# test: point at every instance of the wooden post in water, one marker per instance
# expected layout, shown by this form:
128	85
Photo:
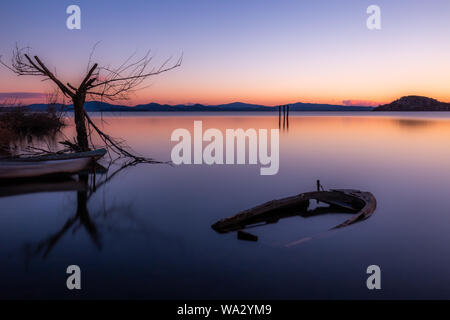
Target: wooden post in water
284	116
279	117
318	189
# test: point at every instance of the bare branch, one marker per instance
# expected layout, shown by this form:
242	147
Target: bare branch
119	83
71	87
49	74
88	76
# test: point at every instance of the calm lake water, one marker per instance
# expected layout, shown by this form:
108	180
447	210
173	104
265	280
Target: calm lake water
146	233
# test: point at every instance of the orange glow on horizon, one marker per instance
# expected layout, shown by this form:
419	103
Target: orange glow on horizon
262	99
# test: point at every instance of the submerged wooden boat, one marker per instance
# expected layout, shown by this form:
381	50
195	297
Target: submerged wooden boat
361	204
67	163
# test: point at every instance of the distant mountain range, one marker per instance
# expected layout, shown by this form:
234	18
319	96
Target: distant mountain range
406	103
94	106
414	103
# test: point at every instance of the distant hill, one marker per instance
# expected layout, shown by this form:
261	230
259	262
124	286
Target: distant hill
94	106
415	103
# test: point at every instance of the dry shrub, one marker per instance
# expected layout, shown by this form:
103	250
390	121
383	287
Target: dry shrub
21	121
18	123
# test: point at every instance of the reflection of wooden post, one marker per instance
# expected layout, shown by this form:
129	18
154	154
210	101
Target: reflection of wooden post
287	117
83	213
284	116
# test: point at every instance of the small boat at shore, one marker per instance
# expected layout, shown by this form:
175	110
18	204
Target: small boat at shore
36	166
358	203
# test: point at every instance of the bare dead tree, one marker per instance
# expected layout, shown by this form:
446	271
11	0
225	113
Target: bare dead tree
99	83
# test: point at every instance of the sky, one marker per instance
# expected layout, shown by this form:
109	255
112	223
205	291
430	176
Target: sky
256	51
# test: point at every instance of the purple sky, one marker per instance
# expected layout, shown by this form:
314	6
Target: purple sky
257	51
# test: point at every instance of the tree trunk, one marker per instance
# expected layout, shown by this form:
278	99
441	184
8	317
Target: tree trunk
80	122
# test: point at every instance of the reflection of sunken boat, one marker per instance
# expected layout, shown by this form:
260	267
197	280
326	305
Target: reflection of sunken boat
360	204
69	163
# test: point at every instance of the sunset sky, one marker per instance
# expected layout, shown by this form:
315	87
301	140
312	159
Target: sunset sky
256	51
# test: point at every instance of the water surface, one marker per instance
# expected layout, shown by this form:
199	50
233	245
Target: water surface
146	233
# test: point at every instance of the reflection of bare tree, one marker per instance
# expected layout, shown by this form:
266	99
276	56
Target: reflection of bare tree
82	216
96	185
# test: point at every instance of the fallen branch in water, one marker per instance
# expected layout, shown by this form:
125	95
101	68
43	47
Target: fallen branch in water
116	146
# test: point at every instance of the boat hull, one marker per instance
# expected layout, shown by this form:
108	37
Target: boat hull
17	170
51	164
360	204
